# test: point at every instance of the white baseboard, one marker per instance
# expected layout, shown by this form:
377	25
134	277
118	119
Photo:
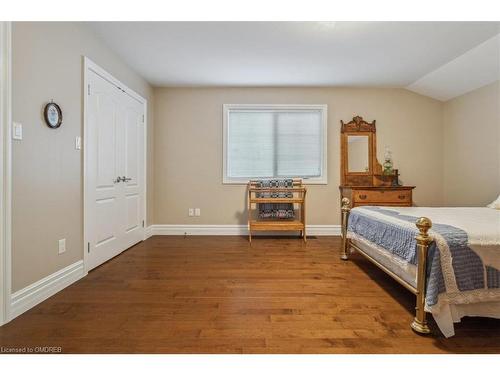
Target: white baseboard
323	230
228	230
148	232
39	291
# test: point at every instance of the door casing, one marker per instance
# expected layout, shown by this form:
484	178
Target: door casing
5	169
89	65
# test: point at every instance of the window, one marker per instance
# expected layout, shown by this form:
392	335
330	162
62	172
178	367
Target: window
274	141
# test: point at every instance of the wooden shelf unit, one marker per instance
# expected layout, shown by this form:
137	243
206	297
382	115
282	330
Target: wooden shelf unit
273	224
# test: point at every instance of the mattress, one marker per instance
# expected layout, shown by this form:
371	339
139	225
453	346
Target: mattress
406	271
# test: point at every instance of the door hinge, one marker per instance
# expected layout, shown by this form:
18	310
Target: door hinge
143	119
88	89
88	247
143	223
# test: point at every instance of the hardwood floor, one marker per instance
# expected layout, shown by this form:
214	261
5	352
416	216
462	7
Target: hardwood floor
221	295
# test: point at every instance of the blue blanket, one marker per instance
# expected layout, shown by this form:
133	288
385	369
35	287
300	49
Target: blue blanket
276	210
400	240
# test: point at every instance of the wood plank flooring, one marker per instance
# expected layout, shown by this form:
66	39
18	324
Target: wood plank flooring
212	294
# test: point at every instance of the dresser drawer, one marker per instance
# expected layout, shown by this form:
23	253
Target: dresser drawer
382	196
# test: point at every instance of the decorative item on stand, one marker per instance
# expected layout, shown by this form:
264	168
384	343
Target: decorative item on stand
395	180
388	164
390	174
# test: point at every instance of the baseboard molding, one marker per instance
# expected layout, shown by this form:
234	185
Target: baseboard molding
39	291
228	230
148	232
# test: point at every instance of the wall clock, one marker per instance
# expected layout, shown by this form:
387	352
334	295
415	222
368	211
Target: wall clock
53	115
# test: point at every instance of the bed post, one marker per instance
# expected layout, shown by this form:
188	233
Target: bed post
419	324
249	211
345	216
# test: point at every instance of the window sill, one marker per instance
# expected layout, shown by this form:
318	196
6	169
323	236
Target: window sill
245	181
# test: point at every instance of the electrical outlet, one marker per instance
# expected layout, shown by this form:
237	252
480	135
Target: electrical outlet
191	212
197	212
17	131
62	246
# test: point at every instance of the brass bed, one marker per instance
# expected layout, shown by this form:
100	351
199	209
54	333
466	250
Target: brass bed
423	224
461	278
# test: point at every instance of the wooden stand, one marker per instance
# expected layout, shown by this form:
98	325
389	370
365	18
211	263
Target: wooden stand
299	198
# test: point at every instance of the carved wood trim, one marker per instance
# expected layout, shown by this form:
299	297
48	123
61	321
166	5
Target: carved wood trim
354	127
357	124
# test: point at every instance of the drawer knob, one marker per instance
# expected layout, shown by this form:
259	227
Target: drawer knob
401	196
362	196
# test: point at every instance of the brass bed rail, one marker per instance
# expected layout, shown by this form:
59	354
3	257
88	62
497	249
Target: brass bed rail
423	224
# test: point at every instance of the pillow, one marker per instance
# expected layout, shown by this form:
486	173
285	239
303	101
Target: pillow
495	204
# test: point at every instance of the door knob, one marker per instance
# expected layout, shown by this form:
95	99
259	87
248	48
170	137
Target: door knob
126	179
117	180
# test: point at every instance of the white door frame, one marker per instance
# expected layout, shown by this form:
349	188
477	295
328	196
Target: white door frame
5	169
89	65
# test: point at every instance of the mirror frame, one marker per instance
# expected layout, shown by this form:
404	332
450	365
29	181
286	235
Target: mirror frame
358	126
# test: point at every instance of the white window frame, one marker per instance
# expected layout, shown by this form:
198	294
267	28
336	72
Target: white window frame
323	108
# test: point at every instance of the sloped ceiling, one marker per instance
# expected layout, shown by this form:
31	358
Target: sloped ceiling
438	59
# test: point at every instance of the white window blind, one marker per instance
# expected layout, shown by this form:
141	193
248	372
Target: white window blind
274	142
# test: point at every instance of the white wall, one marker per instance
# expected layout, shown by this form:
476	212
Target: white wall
47	201
471	134
188	147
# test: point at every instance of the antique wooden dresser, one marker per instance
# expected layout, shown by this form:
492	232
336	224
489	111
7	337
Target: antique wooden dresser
362	178
378	195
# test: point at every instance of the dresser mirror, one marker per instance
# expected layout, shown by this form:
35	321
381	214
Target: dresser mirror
363	179
358	150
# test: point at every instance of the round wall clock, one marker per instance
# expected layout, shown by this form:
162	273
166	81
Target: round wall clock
53	115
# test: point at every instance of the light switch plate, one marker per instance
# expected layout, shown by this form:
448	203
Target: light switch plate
197	212
191	212
62	246
17	131
78	143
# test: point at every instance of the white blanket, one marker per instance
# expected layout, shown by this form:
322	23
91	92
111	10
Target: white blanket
482	225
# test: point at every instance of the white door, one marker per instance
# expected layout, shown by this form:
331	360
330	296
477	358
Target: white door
114	170
132	185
